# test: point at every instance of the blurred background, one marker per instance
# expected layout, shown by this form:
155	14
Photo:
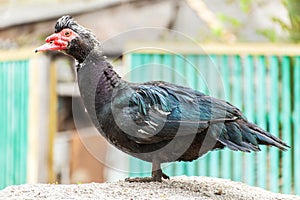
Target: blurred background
243	51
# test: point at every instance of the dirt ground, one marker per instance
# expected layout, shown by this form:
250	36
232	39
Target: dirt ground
180	187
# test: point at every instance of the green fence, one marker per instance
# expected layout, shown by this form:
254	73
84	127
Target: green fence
264	84
13	121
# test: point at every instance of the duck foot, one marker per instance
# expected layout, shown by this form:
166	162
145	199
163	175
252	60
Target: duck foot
142	179
165	176
156	177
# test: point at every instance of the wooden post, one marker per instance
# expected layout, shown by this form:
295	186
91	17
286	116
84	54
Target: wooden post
52	120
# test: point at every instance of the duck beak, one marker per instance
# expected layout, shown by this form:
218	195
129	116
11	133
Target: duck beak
53	43
48	47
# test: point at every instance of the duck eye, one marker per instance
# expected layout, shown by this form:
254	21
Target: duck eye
67	33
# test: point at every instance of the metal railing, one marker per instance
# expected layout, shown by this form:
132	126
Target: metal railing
14	90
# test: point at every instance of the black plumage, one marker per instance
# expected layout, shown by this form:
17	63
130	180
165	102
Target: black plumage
156	121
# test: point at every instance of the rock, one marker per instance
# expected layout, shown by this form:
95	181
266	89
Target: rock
180	187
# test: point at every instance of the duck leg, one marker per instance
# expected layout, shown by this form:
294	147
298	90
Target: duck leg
157	174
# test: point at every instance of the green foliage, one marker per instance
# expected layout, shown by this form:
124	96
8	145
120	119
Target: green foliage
246	5
234	24
293	7
217	32
228	19
282	24
270	34
284	3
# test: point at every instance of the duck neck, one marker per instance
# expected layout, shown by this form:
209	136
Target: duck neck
96	78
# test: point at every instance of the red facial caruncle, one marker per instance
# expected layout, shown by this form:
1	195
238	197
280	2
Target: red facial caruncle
58	41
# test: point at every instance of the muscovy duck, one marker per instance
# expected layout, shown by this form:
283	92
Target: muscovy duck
154	121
